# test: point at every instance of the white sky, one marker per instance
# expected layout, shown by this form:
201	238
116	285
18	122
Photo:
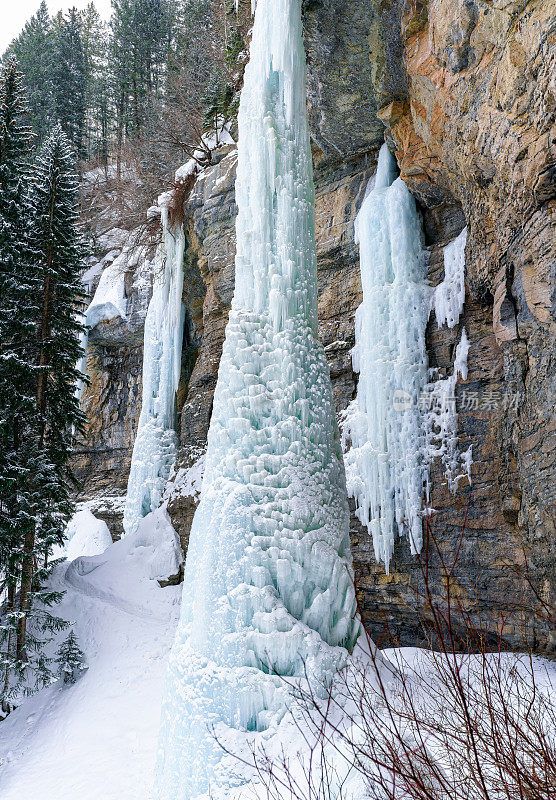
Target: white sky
15	13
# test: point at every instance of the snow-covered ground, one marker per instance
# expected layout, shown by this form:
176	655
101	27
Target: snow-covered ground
97	738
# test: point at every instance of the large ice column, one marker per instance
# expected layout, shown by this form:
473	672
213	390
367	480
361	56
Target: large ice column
156	442
268	586
386	464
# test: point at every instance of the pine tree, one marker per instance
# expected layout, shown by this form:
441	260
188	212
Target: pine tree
70	659
217	102
38	376
59	259
98	96
69	79
141	32
33	49
18	312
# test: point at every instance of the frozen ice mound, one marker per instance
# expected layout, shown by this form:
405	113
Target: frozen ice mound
85	536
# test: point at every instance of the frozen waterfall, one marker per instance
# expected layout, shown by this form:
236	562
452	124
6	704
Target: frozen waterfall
156	442
400	419
385	465
268	581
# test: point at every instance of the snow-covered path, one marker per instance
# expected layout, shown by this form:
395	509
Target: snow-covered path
97	740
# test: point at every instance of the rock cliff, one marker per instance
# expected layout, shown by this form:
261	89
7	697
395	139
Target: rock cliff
465	93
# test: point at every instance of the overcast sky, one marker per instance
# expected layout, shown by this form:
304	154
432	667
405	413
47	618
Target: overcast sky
15	13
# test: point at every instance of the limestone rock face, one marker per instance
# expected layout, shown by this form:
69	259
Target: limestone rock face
112	400
465	93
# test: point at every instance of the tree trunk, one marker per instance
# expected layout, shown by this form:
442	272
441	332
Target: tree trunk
9	647
25	591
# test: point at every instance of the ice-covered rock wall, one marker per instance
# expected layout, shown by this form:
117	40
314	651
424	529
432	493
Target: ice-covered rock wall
156	442
268	586
108	301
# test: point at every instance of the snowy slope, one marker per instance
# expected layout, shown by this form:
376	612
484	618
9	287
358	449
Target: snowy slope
97	739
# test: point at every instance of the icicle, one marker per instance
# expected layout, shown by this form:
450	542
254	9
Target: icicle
441	420
156	442
268	585
399	421
449	296
385	465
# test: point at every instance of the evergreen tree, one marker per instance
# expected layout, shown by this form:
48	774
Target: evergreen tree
59	250
37	376
98	97
18	312
69	79
141	32
217	101
33	49
70	659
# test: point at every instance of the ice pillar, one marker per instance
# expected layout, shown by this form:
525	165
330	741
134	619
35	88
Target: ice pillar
156	442
268	586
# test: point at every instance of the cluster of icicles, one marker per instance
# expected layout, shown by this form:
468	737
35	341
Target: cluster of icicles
400	419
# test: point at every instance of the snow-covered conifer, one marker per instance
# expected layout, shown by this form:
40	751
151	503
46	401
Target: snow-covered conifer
70	659
59	256
18	298
70	80
40	347
33	49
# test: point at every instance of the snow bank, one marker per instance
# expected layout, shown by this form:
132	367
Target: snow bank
86	536
97	739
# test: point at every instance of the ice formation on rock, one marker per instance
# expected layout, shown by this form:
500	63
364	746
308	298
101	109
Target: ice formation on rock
109	301
401	419
385	466
187	482
268	586
156	442
441	420
449	296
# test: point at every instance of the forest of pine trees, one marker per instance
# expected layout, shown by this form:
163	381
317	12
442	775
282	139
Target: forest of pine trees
134	96
153	75
40	294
